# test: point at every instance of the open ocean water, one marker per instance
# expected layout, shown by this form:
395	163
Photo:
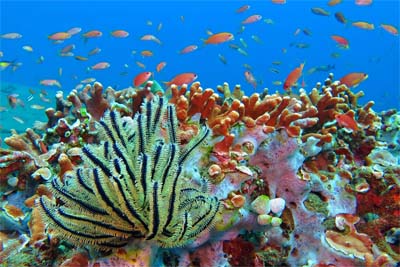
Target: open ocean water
286	36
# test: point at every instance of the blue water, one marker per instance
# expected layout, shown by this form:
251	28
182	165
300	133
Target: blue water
374	52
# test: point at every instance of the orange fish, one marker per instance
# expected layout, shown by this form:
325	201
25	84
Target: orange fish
250	78
183	78
141	78
120	33
160	66
146	53
390	29
334	2
100	66
243	9
219	38
252	19
363	25
292	78
353	79
59	36
92	34
347	120
188	49
342	42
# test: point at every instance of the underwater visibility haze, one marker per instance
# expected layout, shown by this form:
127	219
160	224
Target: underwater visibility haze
199	133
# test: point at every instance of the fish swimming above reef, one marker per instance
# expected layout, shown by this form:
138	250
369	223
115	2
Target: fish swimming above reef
353	79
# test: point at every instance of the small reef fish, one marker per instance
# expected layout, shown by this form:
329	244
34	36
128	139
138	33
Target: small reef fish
242	51
256	39
222	59
140	64
390	29
278	1
100	66
40	60
81	58
252	19
347	121
341	41
277	83
141	78
159	27
74	30
183	78
18	119
37	107
363	25
188	49
150	37
319	11
161	66
94	51
363	2
307	32
250	78
353	79
276	63
274	70
292	78
13	101
320	68
146	53
27	48
120	34
50	82
269	21
88	80
219	38
243	9
67	49
92	34
243	42
11	35
334	2
340	17
5	64
59	36
69	54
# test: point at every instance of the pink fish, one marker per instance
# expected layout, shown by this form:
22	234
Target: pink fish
100	66
120	34
250	78
50	82
252	19
188	49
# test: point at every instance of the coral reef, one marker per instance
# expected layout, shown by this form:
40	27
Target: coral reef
203	177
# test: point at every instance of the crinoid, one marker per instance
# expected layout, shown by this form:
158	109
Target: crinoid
132	185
